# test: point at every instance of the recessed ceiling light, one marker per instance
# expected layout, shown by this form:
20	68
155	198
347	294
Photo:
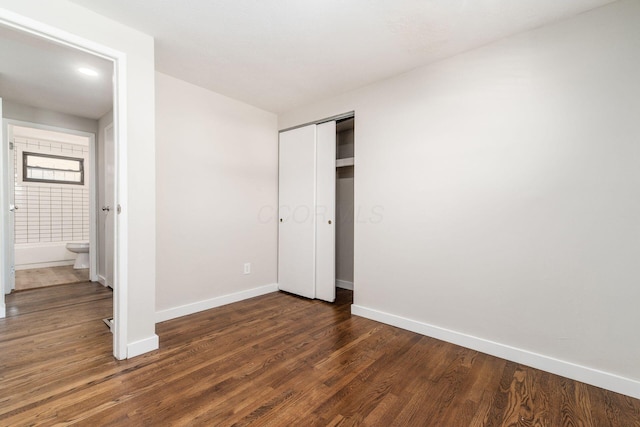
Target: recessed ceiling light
88	72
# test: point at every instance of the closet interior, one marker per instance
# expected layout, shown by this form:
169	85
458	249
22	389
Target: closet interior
345	212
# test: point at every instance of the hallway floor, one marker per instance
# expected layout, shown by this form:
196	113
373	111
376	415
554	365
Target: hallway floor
49	276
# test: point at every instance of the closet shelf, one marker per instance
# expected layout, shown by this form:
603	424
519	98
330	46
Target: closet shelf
348	161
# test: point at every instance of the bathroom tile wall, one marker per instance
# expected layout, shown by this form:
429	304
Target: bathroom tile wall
50	213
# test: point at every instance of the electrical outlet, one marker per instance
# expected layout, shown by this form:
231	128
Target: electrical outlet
247	268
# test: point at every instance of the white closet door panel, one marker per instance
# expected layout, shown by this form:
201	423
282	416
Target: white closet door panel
326	212
297	228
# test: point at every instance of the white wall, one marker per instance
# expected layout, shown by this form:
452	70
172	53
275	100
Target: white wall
138	208
508	179
216	165
26	113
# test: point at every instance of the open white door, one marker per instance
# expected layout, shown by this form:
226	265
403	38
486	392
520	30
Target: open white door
297	228
109	204
11	219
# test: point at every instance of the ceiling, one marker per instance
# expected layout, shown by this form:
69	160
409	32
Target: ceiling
274	54
279	54
44	74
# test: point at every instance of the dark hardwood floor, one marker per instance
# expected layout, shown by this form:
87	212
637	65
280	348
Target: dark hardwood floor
274	360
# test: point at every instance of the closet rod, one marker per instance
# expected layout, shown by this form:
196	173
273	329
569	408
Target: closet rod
348	115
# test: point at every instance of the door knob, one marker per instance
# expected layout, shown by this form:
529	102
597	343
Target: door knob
329	222
106	209
13	208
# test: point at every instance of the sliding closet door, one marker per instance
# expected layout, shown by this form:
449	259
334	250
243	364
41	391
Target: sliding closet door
326	212
297	228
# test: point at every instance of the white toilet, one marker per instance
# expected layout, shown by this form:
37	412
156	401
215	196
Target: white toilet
82	249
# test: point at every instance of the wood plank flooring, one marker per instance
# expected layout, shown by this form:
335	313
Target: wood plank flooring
49	276
275	360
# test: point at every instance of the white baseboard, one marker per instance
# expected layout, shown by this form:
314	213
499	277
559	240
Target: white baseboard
146	345
344	284
103	281
3	311
184	310
563	368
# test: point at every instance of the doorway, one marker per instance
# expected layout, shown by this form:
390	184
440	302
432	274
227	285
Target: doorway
17	27
52	191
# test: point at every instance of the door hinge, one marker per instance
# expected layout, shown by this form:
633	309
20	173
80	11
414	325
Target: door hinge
10	145
119	209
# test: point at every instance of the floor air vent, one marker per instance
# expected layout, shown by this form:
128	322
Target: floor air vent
109	322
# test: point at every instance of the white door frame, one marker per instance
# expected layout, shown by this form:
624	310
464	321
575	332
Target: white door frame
93	199
4	204
39	29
